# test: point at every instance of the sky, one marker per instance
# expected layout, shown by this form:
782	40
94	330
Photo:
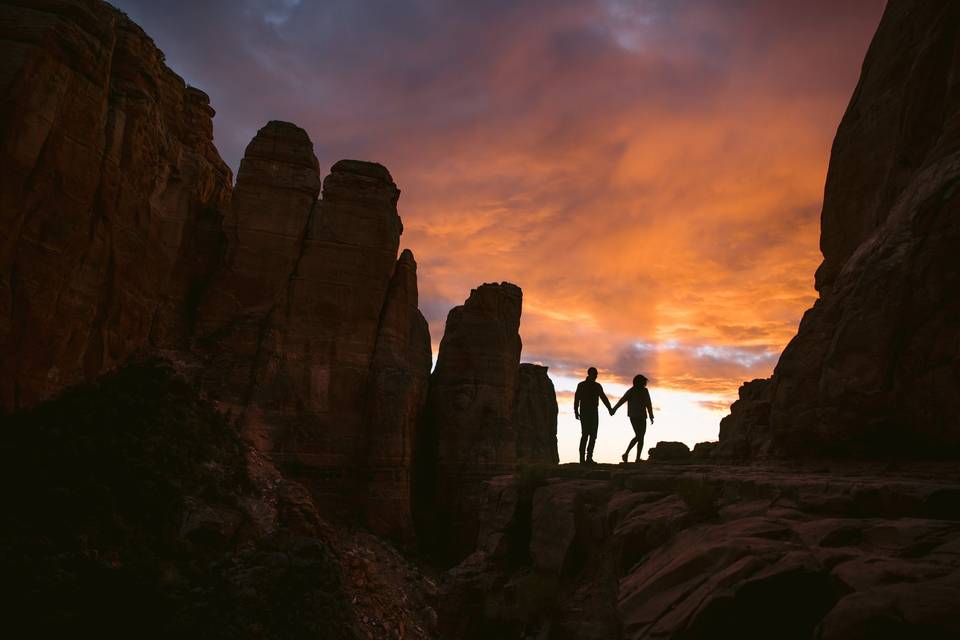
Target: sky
649	172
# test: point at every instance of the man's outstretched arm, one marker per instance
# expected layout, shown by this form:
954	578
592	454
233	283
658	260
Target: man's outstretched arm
576	404
603	397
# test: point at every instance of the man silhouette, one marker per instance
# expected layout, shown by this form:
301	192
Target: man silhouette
585	406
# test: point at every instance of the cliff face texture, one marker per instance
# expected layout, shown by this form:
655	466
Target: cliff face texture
311	291
712	551
485	412
110	192
121	232
875	366
133	509
535	415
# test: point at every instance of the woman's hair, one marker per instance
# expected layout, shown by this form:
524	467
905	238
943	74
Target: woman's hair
639	380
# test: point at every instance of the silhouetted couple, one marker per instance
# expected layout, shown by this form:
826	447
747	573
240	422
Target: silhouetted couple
586	404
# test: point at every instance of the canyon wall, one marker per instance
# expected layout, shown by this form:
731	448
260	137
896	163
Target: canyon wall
282	297
875	366
310	291
122	233
110	196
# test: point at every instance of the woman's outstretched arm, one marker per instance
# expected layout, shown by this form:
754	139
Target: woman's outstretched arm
622	400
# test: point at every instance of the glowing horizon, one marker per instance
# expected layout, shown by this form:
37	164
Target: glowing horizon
649	173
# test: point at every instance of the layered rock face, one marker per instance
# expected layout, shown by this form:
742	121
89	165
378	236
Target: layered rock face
311	333
875	366
110	188
485	411
122	233
397	392
468	433
535	415
692	551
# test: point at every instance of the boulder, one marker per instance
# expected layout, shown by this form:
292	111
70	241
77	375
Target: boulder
669	451
704	450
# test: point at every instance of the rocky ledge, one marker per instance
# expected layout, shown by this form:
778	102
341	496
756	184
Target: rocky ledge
660	550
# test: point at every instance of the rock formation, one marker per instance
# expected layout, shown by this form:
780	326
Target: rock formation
875	366
485	411
311	334
110	192
535	415
123	234
397	393
132	508
468	434
690	551
745	433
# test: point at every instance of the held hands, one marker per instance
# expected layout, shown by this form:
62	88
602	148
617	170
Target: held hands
612	411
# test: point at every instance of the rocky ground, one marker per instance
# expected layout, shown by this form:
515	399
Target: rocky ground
133	509
690	550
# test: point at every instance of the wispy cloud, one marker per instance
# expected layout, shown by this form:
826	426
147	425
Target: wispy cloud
649	172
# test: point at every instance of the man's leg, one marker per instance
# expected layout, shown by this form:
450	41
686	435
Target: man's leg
583	440
589	424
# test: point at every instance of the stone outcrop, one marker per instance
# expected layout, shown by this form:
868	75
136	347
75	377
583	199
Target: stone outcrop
745	433
666	451
468	434
694	551
132	508
122	233
875	366
398	390
535	415
311	334
485	412
110	193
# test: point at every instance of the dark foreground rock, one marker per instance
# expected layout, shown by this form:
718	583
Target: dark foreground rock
702	551
133	509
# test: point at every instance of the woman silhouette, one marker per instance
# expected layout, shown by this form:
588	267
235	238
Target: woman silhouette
638	406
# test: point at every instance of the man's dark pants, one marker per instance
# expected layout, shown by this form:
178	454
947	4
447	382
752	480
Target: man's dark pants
588	432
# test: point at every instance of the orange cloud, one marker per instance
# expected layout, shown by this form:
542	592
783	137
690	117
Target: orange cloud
650	173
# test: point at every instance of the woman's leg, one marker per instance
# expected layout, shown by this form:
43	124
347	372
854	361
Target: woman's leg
639	429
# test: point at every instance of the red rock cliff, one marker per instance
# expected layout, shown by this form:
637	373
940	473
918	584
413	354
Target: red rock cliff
121	234
485	412
110	188
875	366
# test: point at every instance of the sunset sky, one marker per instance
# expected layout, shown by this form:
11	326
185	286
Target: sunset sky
650	172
